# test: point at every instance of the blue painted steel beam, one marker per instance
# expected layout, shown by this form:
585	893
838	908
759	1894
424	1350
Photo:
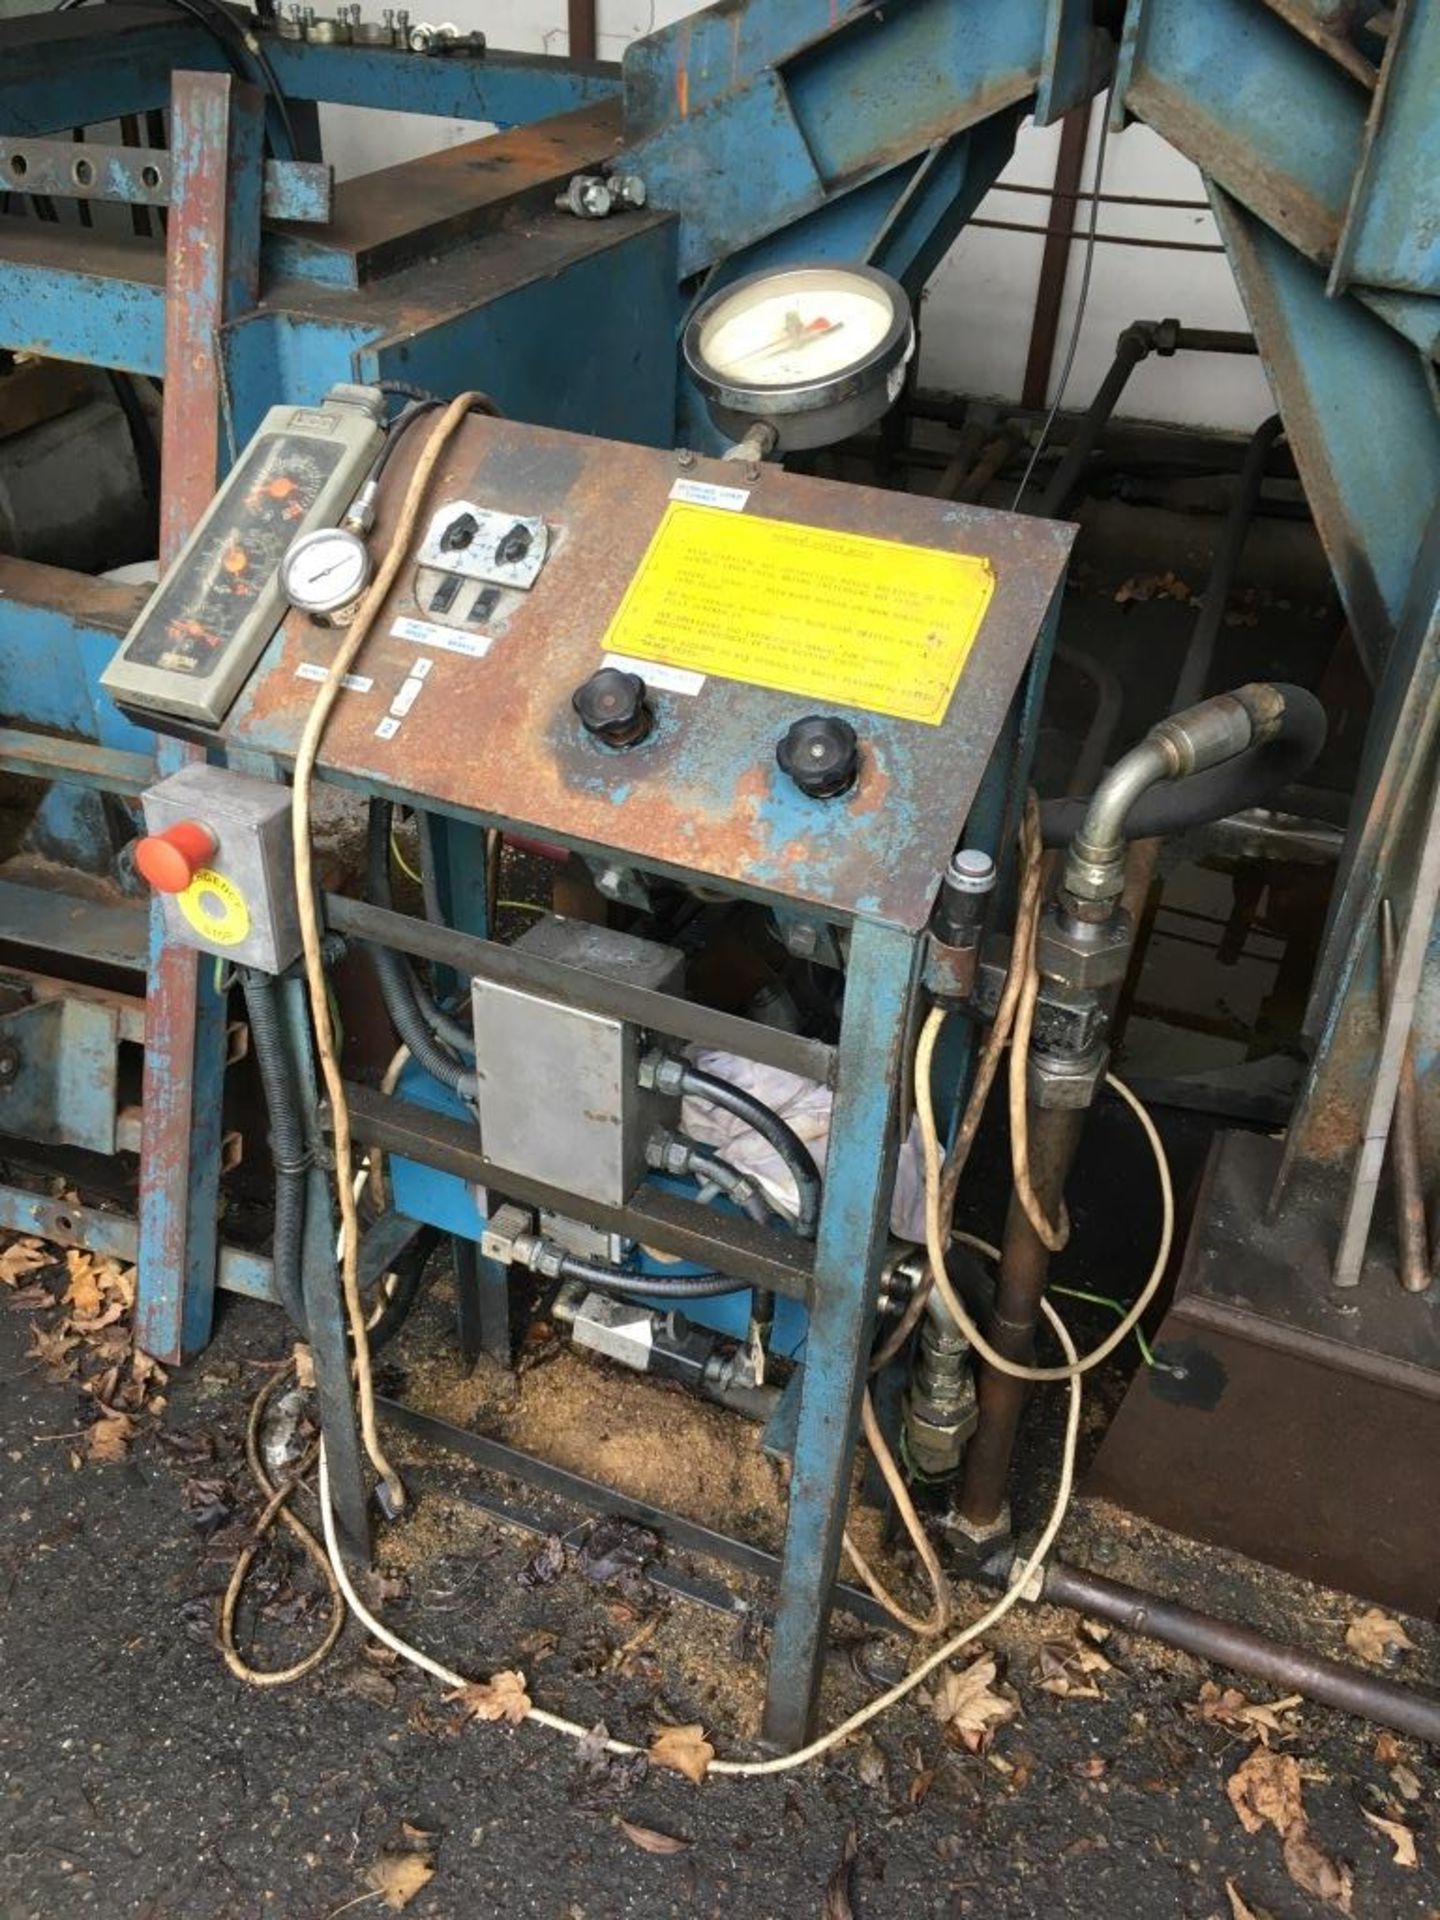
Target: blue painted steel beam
66	69
58	632
103	304
1359	416
1268	116
850	1245
741	150
1391	236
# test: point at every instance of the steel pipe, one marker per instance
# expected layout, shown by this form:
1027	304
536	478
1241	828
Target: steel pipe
1290	1669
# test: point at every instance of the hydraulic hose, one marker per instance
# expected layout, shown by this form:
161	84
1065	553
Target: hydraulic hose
408	1271
676	1286
397	990
678	1076
1248	779
423	1026
288	1148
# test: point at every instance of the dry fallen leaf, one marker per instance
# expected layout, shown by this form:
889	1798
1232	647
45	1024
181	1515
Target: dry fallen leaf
83	1291
968	1708
649	1841
838	1905
108	1441
1375	1636
1254	1720
52	1347
1312	1869
501	1697
1399	1836
684	1750
22	1257
1066	1667
1267	1789
1407	1781
304	1367
1387	1749
398	1877
1240	1908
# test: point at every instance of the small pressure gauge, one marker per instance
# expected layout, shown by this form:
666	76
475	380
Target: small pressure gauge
817	352
325	572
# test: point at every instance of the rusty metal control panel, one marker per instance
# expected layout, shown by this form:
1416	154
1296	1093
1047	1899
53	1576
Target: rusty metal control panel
704	668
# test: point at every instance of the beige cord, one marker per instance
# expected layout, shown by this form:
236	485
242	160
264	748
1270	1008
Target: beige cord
1032	853
936	1232
305	757
927	1626
1020	1581
1022	946
277	1507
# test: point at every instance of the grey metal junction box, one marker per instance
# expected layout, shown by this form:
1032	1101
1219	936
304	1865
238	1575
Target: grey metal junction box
559	1094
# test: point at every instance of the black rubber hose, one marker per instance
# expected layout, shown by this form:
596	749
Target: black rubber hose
398	992
1249	780
377	862
731	1182
768	1124
288	1148
409	1271
678	1286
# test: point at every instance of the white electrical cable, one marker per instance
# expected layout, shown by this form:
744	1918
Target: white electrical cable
1020	1582
936	1232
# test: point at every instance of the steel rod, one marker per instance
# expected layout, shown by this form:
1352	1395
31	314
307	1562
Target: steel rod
1330	1683
1405	1158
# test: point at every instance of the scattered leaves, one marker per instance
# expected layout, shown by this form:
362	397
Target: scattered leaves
1407	1781
967	1706
1267	1789
1378	1638
1253	1720
1152	586
108	1441
501	1697
684	1750
1067	1668
22	1257
650	1841
547	1563
838	1905
1240	1908
398	1877
53	1347
1312	1869
1399	1836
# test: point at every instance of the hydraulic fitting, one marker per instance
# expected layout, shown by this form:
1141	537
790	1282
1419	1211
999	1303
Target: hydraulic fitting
940	1412
1056	1080
1083	954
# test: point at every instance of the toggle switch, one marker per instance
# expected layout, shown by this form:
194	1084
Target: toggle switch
170	860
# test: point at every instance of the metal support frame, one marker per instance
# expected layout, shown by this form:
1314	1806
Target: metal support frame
213	265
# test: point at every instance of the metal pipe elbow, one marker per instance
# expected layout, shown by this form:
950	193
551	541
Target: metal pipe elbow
1197	738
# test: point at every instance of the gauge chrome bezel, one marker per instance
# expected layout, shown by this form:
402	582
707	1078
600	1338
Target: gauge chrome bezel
319	606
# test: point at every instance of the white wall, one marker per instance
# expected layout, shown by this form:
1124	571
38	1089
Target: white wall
977	314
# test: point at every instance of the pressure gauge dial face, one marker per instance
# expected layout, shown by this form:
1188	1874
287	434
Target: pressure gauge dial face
325	571
817	351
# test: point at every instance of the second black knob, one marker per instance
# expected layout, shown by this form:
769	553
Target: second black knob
821	755
613	707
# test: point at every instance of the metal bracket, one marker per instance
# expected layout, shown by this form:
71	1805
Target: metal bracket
141	177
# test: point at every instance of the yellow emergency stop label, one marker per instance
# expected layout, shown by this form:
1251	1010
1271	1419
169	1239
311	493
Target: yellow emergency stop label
215	907
839	617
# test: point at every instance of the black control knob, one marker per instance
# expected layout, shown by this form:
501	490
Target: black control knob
821	755
612	706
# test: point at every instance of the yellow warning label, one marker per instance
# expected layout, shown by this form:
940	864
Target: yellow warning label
834	616
215	907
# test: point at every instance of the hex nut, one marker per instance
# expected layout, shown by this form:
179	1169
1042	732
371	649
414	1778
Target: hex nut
1081	955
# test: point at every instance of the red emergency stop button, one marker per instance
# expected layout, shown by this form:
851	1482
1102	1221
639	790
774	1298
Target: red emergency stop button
170	860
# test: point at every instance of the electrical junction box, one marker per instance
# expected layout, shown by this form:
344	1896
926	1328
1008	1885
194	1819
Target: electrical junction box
560	1099
226	839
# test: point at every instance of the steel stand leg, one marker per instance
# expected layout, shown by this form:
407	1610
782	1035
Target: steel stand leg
482	1288
854	1229
212	271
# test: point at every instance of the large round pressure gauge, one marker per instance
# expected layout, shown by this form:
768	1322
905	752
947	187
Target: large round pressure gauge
817	352
325	572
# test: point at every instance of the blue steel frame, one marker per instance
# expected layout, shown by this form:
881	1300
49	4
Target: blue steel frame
769	128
